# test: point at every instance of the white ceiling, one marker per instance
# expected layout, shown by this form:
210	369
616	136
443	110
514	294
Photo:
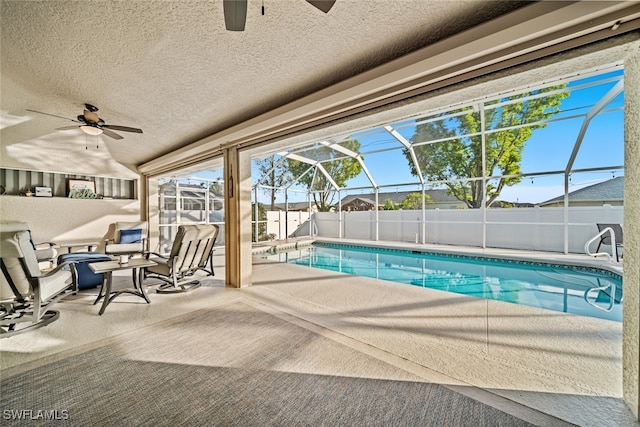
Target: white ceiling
171	68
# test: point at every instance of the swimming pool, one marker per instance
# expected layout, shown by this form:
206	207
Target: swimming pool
583	291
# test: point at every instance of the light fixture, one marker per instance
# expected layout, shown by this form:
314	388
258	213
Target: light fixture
91	130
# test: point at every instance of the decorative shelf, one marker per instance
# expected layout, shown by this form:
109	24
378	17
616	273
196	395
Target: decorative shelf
18	182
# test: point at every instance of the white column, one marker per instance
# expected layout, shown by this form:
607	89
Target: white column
237	205
631	286
150	208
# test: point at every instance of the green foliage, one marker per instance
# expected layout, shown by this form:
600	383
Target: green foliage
217	187
390	206
262	225
459	157
273	175
414	201
338	166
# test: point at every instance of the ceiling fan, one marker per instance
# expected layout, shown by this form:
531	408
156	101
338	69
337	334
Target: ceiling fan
92	124
235	12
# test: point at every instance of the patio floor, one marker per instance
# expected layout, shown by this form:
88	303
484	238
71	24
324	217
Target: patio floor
510	356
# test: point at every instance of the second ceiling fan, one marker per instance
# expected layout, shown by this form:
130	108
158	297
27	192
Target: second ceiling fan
235	12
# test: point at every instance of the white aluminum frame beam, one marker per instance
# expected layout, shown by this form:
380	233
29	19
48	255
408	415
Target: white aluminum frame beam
314	163
409	147
339	148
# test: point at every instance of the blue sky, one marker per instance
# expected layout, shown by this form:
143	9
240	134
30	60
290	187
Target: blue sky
548	149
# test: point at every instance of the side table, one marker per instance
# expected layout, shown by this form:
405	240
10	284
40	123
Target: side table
108	267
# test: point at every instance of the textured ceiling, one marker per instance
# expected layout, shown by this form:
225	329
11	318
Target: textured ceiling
171	68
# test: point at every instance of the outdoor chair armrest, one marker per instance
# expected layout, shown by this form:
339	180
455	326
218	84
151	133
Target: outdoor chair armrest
148	254
59	267
44	245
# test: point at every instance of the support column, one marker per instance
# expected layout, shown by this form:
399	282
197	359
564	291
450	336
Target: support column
151	211
237	205
631	281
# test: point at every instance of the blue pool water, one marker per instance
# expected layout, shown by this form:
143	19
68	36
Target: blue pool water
578	290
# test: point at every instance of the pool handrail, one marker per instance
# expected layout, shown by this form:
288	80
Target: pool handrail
597	236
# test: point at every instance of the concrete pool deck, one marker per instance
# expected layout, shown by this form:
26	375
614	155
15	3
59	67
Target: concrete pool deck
570	366
507	355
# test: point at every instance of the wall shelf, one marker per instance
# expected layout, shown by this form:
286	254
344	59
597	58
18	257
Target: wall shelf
19	181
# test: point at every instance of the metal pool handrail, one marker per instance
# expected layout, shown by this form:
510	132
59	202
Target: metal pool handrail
597	236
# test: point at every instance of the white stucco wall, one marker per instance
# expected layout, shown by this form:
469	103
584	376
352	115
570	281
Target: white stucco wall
631	322
63	220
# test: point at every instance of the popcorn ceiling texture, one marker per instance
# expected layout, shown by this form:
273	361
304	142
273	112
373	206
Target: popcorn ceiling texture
171	68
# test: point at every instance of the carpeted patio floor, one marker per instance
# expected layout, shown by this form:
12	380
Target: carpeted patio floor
236	364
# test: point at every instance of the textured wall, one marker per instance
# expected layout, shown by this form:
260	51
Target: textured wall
59	219
631	331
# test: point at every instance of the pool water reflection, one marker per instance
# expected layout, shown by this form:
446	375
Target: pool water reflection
577	290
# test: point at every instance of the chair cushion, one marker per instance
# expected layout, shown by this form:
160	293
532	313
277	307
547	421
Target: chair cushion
53	285
19	279
15	245
131	236
124	248
161	267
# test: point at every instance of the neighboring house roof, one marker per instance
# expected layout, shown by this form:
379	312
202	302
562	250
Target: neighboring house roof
437	196
611	190
360	203
293	206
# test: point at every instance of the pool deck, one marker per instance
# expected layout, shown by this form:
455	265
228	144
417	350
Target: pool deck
565	365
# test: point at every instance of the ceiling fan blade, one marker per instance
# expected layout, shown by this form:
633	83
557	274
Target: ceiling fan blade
235	14
121	128
67	127
323	5
52	115
110	134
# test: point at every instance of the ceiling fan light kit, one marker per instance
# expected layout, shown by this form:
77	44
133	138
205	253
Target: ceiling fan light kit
91	130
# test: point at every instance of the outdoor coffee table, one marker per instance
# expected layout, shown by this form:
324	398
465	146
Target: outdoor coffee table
108	267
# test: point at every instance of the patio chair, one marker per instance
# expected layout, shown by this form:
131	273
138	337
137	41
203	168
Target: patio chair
26	293
45	252
605	239
192	249
124	238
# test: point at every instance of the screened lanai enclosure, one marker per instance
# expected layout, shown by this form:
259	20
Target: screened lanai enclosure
530	168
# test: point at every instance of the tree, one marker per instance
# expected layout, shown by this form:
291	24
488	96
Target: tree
414	201
262	225
341	169
274	175
217	186
390	206
460	157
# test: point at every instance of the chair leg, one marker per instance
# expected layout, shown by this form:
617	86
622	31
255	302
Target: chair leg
9	327
169	288
175	286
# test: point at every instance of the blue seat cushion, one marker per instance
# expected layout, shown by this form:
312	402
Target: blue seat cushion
133	235
86	278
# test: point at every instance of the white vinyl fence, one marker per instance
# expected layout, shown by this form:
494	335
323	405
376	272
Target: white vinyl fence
542	229
281	224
